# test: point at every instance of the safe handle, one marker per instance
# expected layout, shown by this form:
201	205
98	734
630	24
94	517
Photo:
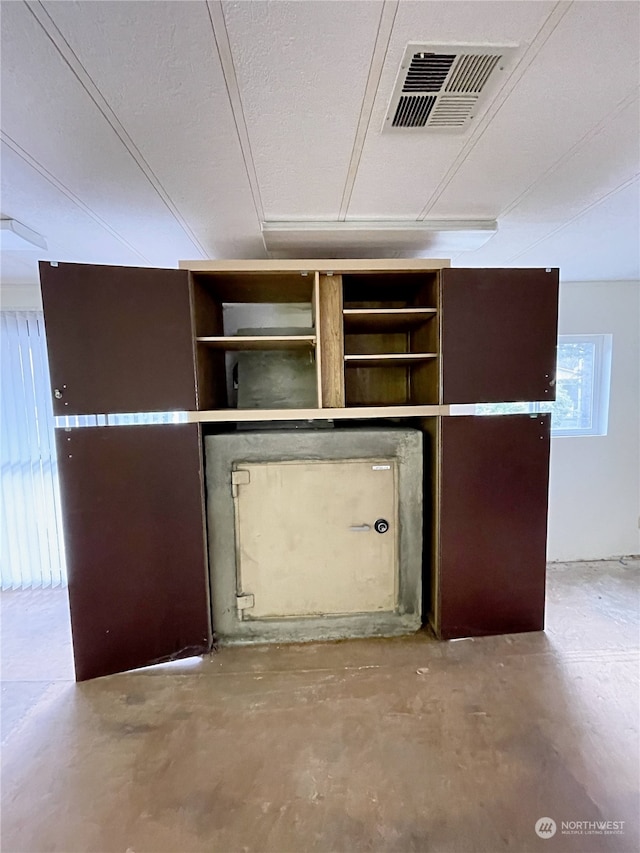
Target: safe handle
360	528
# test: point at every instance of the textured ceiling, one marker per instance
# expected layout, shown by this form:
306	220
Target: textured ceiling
147	132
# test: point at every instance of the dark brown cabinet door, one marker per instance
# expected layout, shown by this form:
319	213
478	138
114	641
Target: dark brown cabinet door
119	339
499	335
132	499
493	525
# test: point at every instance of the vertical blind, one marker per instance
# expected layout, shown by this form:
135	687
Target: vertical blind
31	548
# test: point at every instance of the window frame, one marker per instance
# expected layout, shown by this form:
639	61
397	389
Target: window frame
603	344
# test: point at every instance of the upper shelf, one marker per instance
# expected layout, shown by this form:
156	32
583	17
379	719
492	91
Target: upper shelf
258	342
385	319
388	359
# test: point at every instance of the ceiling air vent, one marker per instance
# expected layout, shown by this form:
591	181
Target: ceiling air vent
443	87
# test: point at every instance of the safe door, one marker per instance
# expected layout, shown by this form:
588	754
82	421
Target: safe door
316	538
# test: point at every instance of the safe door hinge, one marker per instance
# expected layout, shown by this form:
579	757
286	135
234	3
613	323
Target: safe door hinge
244	602
238	478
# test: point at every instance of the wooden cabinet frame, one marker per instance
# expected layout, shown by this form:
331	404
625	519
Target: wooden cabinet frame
392	339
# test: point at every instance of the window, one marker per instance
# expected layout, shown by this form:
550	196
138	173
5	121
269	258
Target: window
583	373
30	518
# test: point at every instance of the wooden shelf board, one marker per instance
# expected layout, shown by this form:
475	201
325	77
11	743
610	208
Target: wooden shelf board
310	265
243	415
259	342
389	319
392	359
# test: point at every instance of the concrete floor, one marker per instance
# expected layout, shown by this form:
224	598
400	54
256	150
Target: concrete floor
378	745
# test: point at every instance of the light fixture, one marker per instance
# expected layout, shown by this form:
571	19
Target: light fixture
14	236
377	238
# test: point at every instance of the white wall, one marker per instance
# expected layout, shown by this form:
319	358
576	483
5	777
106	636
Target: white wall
20	297
595	480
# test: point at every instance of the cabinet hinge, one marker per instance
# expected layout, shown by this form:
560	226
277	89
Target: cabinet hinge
244	602
238	478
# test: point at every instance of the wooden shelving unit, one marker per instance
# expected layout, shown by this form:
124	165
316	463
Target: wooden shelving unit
262	297
374	334
391	339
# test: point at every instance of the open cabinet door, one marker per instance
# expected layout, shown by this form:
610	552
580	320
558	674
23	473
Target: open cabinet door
499	331
491	549
132	500
119	339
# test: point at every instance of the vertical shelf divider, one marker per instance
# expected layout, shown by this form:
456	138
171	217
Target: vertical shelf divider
330	335
315	312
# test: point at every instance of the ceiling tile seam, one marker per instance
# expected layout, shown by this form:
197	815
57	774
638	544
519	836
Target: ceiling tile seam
545	32
38	167
264	243
568	155
225	55
58	40
623	186
378	59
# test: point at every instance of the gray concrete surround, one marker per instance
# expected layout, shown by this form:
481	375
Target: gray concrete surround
222	452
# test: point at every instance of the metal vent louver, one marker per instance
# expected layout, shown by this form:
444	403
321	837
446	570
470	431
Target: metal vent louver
413	110
453	110
427	72
443	87
471	72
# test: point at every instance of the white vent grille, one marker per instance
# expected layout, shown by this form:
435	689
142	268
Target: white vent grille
444	87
